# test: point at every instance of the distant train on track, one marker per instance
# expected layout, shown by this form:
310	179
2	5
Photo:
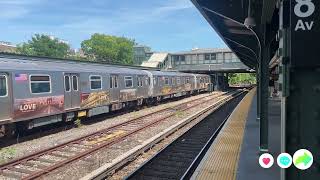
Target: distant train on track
39	91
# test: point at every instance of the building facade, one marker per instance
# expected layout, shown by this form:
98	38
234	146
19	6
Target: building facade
157	60
198	60
215	62
141	54
7	47
203	57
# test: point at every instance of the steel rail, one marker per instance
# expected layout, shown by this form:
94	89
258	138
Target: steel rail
201	153
40	153
60	163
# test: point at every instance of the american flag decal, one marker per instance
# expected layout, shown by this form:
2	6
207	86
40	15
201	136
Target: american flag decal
21	77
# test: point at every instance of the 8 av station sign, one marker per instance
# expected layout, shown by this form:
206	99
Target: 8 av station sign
309	9
305	32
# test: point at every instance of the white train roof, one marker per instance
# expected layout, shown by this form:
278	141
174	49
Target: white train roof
46	64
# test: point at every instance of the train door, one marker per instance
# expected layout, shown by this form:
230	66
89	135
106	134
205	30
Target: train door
72	91
5	96
141	86
151	82
195	83
114	88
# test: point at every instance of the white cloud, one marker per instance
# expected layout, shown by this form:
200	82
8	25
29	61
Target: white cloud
19	2
126	18
93	25
158	13
13	12
175	5
11	9
81	23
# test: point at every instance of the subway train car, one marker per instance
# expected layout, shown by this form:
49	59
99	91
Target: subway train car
37	92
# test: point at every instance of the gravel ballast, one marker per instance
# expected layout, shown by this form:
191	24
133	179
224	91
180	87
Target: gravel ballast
22	149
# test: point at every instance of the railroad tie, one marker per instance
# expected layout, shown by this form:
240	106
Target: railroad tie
35	164
56	154
21	170
11	174
41	159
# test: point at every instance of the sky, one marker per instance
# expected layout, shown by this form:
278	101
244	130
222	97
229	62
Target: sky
163	25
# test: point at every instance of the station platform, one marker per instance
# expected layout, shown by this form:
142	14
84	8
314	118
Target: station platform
235	152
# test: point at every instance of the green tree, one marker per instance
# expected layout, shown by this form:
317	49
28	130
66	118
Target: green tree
44	45
110	49
242	78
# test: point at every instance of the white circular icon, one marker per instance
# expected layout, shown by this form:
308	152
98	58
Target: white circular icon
302	159
266	160
284	160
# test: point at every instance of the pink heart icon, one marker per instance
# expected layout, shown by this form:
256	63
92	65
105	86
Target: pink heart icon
266	161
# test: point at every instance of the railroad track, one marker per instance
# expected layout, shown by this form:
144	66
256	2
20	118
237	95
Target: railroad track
26	135
179	159
42	162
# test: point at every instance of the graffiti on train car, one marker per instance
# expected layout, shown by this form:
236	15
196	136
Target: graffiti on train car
128	94
94	99
166	90
39	106
187	87
179	88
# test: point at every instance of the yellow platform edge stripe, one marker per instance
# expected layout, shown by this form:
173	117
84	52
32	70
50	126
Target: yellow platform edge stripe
221	161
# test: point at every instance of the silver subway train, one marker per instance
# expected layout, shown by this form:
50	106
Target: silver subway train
39	91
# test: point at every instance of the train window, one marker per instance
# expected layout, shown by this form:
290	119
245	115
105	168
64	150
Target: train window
75	83
148	81
128	81
159	80
207	56
187	80
111	81
115	81
178	80
166	81
139	82
182	80
3	86
154	81
213	56
40	84
173	81
67	83
95	82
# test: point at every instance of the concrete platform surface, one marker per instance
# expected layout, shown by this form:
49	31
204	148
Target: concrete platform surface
235	153
248	166
220	162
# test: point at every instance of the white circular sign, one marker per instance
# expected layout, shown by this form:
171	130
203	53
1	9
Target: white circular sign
266	160
308	4
302	159
284	160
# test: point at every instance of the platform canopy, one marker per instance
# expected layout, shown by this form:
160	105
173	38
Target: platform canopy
227	17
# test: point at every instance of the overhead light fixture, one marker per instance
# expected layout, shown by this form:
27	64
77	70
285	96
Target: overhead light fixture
250	22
